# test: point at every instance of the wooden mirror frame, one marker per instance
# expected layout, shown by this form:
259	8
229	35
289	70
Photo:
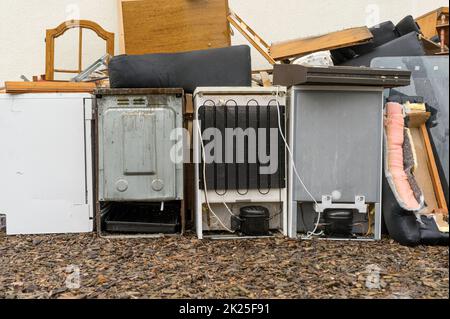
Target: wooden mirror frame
52	34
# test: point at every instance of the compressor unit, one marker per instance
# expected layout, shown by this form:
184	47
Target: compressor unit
140	180
240	157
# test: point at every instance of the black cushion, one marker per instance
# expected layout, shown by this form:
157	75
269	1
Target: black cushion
430	234
188	70
407	45
407	25
382	33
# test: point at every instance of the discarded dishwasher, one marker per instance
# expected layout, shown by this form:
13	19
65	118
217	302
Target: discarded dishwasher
240	175
140	179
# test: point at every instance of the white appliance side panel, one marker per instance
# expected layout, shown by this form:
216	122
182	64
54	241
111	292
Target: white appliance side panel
45	186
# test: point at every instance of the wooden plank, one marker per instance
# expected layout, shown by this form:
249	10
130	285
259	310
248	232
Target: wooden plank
189	104
80	51
417	119
331	41
430	47
252	37
66	71
422	173
50	55
161	26
434	172
265	79
442	224
49	87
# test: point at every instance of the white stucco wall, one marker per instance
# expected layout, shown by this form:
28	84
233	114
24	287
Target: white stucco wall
23	24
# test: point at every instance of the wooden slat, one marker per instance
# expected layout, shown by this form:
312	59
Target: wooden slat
334	40
49	87
442	224
161	26
265	79
434	172
256	41
430	47
80	51
417	119
66	71
422	173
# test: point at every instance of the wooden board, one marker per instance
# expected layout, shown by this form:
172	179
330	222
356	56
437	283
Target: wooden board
331	41
430	47
416	119
49	87
434	172
422	174
427	174
161	26
429	21
252	37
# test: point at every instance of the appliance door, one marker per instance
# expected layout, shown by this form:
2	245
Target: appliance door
338	143
137	154
46	163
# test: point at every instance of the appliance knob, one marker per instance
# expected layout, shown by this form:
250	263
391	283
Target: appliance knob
122	185
157	185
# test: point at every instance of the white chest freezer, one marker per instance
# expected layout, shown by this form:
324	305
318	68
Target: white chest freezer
46	163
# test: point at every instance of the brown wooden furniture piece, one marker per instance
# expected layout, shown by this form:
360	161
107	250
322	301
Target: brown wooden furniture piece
280	52
161	26
428	22
436	23
443	30
52	34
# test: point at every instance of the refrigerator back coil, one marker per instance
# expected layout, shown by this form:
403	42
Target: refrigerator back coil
223	175
241	161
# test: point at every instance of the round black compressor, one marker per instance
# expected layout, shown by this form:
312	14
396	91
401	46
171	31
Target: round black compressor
252	221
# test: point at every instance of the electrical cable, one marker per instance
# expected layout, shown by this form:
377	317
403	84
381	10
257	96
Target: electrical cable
309	235
204	178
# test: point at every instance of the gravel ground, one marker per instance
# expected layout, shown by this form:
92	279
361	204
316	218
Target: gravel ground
50	266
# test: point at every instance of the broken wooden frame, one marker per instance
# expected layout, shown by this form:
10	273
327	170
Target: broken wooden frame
52	34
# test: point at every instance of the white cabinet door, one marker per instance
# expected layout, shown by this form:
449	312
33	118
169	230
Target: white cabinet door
46	163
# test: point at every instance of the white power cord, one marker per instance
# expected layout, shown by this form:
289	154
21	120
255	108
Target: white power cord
313	233
204	179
